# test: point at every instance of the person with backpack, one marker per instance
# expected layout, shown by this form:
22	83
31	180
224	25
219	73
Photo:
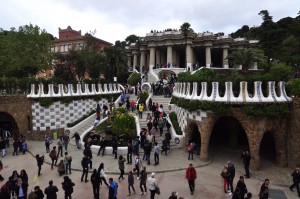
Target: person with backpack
53	156
191	176
67	186
95	180
231	175
68	162
113	189
138	165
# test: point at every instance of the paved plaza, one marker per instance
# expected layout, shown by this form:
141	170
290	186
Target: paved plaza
170	174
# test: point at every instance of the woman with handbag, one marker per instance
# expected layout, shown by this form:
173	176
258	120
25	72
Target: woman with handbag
153	186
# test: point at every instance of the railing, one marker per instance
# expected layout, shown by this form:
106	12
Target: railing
190	91
61	90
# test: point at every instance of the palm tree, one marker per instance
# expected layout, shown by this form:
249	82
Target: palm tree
185	30
246	57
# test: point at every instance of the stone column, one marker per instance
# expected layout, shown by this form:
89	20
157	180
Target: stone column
158	60
188	52
169	55
142	61
129	62
207	56
135	60
225	54
152	59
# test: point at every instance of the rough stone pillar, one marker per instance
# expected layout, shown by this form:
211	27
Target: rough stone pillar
142	61
225	54
254	140
207	56
169	55
188	52
152	59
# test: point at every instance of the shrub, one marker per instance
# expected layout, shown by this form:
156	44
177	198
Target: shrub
134	78
173	118
46	102
293	87
143	96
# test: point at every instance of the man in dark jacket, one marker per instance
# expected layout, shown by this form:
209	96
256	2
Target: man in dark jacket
85	168
67	186
242	187
296	180
40	162
129	152
51	190
246	161
102	146
231	175
115	146
87	152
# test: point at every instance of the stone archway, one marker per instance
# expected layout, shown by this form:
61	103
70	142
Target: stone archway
267	150
8	123
193	135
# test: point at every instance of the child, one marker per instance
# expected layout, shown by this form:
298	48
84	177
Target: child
224	175
130	183
24	147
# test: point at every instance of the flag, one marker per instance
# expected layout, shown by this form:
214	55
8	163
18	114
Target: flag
35	179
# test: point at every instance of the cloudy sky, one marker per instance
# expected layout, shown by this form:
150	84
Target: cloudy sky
115	20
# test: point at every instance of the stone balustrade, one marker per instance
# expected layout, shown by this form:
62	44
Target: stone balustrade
190	91
68	90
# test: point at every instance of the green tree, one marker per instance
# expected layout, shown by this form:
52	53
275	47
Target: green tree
185	30
25	51
246	57
131	39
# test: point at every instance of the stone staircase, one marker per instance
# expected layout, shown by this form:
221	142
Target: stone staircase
143	123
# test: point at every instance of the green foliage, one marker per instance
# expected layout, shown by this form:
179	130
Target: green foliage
46	102
143	96
267	110
134	78
81	119
173	118
281	72
66	100
24	51
123	123
293	87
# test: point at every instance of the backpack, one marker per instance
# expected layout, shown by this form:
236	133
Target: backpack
69	159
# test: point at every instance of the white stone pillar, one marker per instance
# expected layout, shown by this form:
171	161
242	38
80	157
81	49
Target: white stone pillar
207	56
152	58
255	66
169	55
129	62
225	60
188	52
142	61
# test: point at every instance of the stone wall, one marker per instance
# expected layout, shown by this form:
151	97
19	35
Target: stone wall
19	107
293	138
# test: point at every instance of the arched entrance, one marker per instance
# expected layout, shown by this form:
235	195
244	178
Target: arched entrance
267	150
228	133
8	123
195	137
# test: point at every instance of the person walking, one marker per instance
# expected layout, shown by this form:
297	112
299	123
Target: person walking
153	133
85	168
246	161
102	146
121	163
115	147
47	142
61	168
95	180
191	176
68	162
156	153
129	153
296	180
66	140
67	186
87	152
40	162
190	150
51	191
161	125
113	189
60	147
224	175
152	185
164	146
264	190
138	165
143	180
102	174
77	140
130	183
53	156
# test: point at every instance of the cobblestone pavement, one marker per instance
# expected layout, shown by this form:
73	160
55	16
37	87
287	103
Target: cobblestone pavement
170	174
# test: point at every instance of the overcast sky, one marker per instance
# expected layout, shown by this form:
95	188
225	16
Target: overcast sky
115	20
